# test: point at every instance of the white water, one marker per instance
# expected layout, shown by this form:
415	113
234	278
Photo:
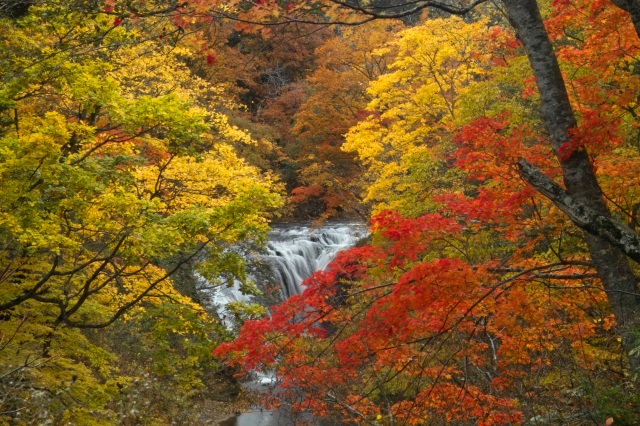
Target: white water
294	251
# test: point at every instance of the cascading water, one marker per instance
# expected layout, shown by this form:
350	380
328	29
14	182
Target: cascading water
297	251
293	252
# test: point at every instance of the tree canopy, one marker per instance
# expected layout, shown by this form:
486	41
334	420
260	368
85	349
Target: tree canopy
491	146
476	300
118	167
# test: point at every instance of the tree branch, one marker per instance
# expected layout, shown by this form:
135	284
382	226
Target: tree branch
388	11
582	215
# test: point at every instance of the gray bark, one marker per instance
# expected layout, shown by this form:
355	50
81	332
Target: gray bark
582	215
611	263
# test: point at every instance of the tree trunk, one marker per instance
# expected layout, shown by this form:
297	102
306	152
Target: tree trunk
581	214
612	265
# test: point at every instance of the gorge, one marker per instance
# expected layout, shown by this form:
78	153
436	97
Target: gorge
294	252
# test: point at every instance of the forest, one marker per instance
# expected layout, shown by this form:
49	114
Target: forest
492	147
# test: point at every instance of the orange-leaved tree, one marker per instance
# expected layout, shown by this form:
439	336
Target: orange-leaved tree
482	304
337	99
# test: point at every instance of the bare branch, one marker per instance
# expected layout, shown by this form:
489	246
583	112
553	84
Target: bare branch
583	216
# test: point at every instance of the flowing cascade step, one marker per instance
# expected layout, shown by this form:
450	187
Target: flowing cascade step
294	252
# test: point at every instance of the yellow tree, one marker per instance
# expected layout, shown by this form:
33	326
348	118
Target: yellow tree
113	176
404	142
337	99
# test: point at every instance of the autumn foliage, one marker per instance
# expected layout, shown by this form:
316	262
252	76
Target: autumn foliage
119	167
141	141
474	300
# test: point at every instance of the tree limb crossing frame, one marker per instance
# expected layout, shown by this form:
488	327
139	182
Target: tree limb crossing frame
583	216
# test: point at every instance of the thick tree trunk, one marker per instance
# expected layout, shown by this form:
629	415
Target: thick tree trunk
581	214
611	263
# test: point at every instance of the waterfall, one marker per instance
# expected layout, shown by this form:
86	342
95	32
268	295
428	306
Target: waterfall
294	251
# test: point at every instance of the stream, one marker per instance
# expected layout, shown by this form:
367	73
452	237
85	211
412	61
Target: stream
294	251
